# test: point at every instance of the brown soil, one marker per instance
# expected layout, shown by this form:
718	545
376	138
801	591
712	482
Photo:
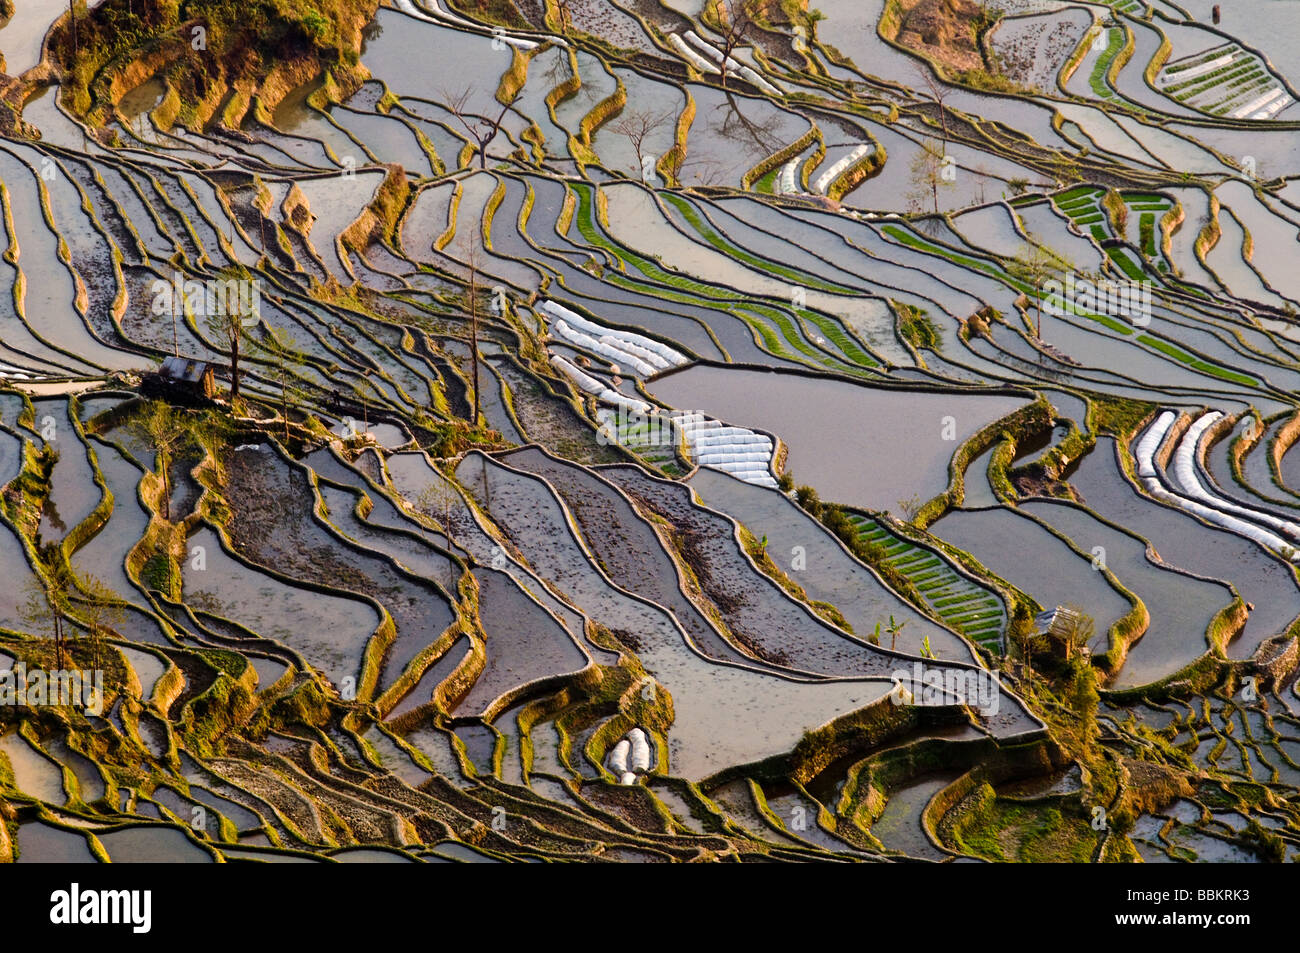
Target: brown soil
943	30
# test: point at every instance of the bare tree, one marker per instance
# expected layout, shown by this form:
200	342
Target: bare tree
560	70
736	23
566	16
285	351
100	611
473	261
440	499
229	313
929	169
46	604
731	123
164	430
52	603
1035	265
473	329
639	125
361	387
705	170
482	129
938	92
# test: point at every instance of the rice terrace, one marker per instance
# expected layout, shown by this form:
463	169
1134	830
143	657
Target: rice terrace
839	431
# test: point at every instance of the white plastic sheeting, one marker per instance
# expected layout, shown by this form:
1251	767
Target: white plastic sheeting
1146	448
835	171
1210	515
592	386
636	745
636	350
728	455
748	441
672	357
736	451
442	16
1273	108
618	757
1192	72
635	347
616	354
699	62
788	186
1145	451
640	750
734	66
1190	482
1257	104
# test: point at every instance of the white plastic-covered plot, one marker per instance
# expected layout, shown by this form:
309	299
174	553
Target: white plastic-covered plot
640	750
1256	107
835	171
787	177
627	779
735	463
695	59
734	66
1149	444
1274	107
721	433
715	429
669	356
743	443
759	477
747	462
691	424
747	439
653	352
729	442
735	455
647	357
746	472
744	460
584	380
442	16
1189	480
716	457
592	386
1226	521
603	347
1145	451
736	451
618	757
732	453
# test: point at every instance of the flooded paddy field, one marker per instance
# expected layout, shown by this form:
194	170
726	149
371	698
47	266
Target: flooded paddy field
859	432
819	418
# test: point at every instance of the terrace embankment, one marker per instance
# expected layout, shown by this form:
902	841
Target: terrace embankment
226	52
941	30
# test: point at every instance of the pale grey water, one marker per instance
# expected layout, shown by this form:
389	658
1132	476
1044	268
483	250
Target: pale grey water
856	444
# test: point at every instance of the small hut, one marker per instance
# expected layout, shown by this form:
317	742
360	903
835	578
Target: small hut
1064	627
1058	622
181	380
